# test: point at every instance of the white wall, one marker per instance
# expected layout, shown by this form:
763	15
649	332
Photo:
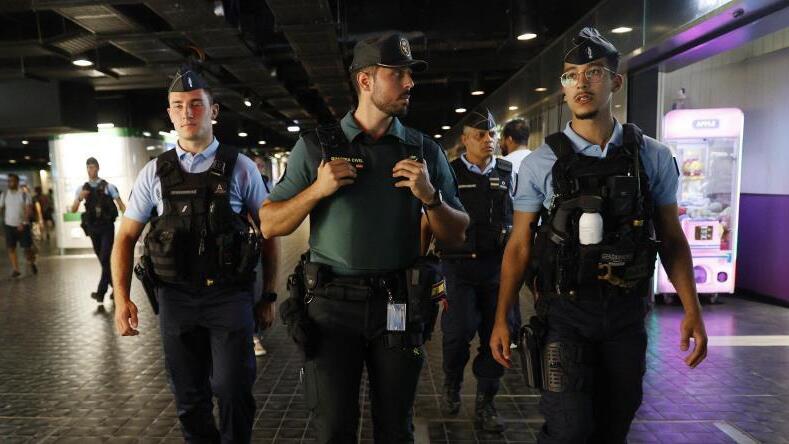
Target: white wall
754	78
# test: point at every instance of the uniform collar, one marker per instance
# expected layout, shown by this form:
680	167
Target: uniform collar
208	152
352	130
580	144
475	169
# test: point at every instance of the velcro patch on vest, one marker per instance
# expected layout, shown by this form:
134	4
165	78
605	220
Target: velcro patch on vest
614	258
183	192
497	184
467	185
357	162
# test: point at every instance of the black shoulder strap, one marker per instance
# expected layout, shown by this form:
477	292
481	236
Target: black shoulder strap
503	165
560	144
224	162
168	170
102	188
331	139
632	137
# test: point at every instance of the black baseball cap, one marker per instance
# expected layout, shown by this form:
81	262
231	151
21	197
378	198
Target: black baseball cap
590	45
187	78
390	50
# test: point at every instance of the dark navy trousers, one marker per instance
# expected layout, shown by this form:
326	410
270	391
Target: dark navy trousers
207	338
102	238
472	293
599	344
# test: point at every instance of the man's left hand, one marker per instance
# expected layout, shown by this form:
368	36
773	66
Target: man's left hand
264	313
416	178
692	326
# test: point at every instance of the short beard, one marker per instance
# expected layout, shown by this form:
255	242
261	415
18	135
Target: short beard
392	108
588	116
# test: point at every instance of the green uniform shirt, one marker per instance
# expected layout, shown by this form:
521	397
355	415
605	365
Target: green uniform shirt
371	225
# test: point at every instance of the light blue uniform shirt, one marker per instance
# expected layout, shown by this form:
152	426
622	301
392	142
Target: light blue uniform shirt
488	168
534	177
112	190
246	185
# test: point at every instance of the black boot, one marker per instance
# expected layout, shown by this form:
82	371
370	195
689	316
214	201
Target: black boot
485	414
450	403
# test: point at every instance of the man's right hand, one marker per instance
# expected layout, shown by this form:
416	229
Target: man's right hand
333	175
83	194
125	317
500	344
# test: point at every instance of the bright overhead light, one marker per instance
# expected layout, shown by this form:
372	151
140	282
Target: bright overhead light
25	142
541	89
173	132
105	125
294	129
512	108
460	110
621	30
261	142
617	106
150	147
527	36
49	163
478	92
27	157
12	161
82	63
437	136
445	127
213	122
146	133
164	133
247	101
242	134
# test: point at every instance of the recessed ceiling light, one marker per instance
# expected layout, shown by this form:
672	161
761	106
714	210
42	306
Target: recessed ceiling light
617	106
445	127
512	108
105	125
82	63
621	30
460	110
293	129
261	142
242	134
164	133
541	89
146	133
150	147
527	36
478	92
437	136
247	101
12	161
213	122
27	157
25	142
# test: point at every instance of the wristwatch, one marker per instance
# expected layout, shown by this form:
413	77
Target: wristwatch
268	296
438	199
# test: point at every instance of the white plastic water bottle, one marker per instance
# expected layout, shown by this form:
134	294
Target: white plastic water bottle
590	228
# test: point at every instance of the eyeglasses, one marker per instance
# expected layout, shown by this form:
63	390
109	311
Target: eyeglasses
593	75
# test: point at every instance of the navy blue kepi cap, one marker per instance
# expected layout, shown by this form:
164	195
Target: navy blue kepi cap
590	45
390	50
187	79
481	120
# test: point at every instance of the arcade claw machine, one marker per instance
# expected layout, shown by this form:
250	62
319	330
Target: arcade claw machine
707	144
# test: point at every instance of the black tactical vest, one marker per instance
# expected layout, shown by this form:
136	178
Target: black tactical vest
100	210
488	202
199	241
615	186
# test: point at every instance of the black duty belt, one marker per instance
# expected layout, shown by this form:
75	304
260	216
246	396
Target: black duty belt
358	288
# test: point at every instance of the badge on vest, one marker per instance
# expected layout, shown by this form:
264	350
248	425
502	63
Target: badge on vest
220	189
357	162
497	184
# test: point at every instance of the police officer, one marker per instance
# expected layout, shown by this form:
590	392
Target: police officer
98	220
472	269
601	188
201	252
364	187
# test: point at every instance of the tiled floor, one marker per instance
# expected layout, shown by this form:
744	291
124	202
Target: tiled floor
66	377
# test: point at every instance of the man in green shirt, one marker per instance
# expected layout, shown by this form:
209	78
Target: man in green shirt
365	198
